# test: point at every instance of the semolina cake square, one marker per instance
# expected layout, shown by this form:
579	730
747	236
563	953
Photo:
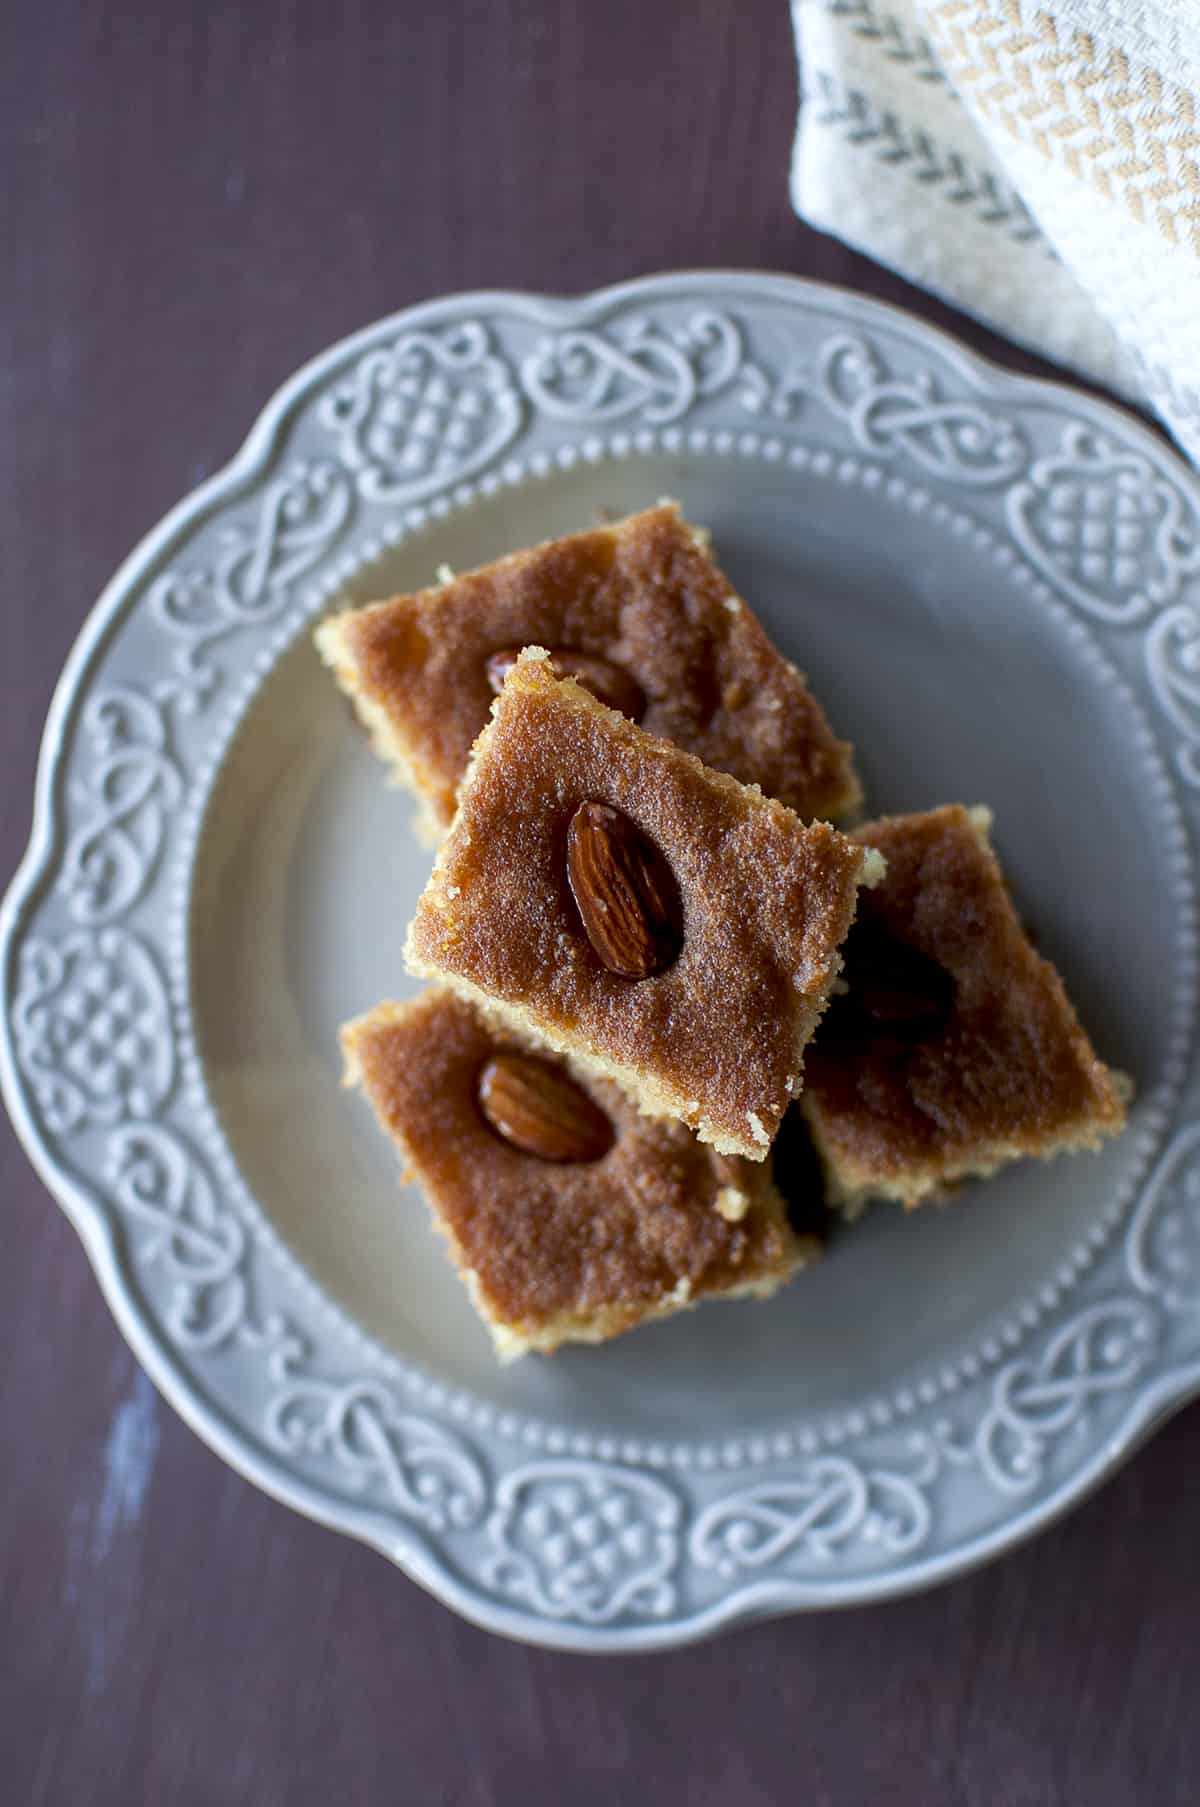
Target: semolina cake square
953	1048
571	1217
639	613
664	925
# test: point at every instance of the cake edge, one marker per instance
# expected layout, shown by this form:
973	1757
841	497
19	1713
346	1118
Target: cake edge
432	817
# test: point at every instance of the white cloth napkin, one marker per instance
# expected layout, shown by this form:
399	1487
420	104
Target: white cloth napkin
1035	164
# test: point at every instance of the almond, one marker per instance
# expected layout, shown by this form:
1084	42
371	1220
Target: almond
539	1109
625	893
608	683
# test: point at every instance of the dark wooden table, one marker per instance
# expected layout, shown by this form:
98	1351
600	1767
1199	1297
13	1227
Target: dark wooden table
196	199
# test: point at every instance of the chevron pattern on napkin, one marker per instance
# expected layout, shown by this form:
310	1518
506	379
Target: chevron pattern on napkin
1035	164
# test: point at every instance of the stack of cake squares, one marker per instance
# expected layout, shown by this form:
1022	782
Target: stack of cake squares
647	947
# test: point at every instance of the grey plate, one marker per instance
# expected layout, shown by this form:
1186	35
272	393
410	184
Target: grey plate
992	584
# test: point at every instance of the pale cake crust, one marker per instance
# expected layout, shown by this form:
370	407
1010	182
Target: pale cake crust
563	1253
642	592
717	1039
1009	1073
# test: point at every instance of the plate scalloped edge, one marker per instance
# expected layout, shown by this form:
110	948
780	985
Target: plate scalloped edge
570	1541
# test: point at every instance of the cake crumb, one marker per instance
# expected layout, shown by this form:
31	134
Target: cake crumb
732	1203
874	869
756	1129
445	574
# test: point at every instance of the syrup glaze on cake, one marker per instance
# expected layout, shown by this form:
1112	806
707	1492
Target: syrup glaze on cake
553	1250
954	1048
717	1038
642	596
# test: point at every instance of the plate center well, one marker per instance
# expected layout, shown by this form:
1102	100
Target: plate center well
956	686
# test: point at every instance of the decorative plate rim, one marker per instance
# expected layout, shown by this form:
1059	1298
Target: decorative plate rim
648	1513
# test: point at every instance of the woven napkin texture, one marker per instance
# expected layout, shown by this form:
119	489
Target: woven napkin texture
1036	165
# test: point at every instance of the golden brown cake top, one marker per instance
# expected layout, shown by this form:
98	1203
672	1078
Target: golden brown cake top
611	1238
765	902
955	1043
642	593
